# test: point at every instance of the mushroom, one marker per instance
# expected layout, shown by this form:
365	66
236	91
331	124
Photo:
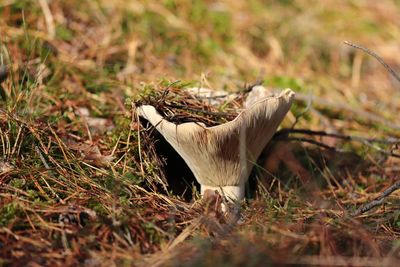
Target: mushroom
221	157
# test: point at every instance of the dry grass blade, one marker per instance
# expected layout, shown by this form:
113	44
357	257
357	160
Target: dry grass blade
377	57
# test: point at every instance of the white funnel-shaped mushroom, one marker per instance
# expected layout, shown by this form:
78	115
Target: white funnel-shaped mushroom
221	157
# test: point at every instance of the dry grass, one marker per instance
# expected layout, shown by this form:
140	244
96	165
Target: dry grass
80	185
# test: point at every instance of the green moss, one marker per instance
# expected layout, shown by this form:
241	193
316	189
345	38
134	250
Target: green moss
97	206
9	212
206	48
155	237
64	33
282	82
222	24
18	183
133	178
198	11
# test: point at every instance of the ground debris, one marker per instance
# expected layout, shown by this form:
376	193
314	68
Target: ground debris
179	105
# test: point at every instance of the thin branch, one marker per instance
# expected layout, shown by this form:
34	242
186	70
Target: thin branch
377	201
390	141
42	158
382	151
341	107
311	141
284	133
373	54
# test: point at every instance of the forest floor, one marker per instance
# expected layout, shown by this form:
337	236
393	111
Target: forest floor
83	181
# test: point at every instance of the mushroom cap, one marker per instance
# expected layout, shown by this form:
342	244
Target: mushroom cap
224	155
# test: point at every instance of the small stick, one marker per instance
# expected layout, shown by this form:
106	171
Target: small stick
365	115
42	158
311	141
377	201
390	141
283	135
373	54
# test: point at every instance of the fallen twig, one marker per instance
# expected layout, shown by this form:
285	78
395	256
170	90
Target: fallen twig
377	201
284	134
311	141
389	141
368	116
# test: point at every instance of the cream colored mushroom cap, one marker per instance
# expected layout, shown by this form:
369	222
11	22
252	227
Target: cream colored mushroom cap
224	155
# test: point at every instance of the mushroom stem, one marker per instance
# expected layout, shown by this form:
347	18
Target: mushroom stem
231	193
